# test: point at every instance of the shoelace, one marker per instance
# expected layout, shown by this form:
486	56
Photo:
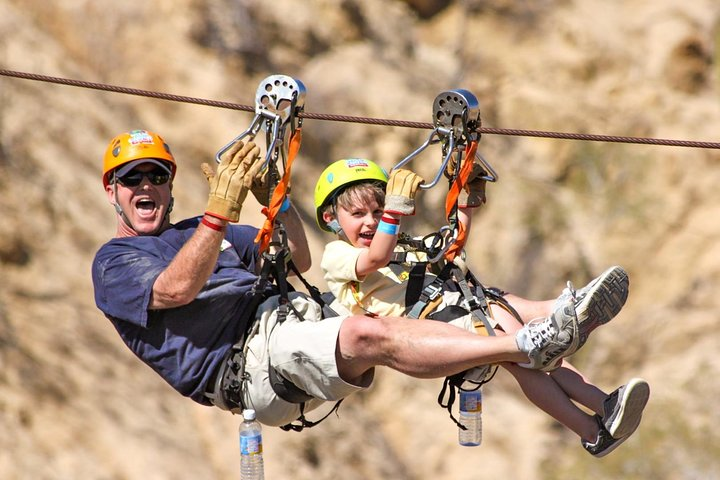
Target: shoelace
573	293
542	333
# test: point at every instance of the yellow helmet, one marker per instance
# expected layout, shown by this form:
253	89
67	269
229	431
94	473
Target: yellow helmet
340	175
136	145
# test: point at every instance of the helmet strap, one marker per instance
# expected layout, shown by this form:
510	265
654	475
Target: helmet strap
334	225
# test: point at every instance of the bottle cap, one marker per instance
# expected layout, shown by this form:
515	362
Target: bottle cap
248	414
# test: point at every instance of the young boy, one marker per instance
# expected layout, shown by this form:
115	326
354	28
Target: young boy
355	199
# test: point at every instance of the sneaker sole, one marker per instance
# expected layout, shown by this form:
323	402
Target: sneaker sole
612	447
635	397
603	301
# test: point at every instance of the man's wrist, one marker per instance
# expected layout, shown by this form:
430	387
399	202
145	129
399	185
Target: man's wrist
214	222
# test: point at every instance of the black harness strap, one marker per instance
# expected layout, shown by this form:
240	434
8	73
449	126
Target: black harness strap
431	291
304	422
416	281
324	299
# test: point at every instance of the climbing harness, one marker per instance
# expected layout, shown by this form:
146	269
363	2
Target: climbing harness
456	120
278	101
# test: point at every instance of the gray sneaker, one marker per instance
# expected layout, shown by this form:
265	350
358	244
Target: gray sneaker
597	302
605	443
624	407
547	340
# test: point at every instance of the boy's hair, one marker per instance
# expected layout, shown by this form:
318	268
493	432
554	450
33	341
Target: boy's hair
358	193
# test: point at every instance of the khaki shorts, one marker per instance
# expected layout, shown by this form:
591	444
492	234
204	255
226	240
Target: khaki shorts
302	352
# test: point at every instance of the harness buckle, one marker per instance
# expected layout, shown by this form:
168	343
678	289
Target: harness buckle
432	291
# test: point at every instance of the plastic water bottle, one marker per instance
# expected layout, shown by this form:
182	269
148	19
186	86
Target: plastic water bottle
470	418
251	448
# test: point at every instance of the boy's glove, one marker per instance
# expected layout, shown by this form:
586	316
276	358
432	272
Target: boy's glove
400	192
473	194
234	177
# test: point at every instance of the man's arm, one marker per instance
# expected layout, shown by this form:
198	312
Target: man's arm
187	273
297	241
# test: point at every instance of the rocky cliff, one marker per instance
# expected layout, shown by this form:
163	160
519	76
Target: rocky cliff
75	403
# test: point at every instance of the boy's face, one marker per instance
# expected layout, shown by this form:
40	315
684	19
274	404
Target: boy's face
359	222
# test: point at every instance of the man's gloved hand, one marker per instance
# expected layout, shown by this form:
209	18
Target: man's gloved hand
260	188
473	193
229	186
400	192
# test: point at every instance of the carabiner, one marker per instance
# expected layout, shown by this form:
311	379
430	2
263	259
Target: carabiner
278	101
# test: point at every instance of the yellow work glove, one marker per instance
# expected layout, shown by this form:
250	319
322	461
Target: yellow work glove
229	186
400	192
260	188
473	193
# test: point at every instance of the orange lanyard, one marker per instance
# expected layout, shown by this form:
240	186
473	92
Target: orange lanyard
264	236
452	198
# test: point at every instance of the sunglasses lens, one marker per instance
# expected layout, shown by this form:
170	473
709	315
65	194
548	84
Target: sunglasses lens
134	178
158	178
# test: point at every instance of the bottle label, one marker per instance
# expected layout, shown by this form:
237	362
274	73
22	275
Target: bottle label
471	401
250	445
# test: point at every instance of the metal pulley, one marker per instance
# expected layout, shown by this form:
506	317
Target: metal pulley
278	101
456	118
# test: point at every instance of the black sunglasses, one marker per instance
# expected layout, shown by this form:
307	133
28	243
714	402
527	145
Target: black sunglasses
134	177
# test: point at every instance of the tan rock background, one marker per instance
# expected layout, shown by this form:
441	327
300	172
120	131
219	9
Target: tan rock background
75	403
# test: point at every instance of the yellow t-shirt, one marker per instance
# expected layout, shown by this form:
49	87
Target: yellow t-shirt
381	292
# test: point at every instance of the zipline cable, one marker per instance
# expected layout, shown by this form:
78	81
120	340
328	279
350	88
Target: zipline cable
362	120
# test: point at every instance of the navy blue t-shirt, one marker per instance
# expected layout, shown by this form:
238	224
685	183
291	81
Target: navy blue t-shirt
183	344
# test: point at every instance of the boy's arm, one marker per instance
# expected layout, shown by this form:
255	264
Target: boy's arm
399	201
381	249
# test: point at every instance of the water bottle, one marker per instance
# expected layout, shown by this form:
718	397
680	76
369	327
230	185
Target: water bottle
470	418
251	448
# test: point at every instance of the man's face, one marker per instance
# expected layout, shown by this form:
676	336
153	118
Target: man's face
144	194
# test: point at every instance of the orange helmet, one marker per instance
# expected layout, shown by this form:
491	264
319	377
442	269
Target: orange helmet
135	145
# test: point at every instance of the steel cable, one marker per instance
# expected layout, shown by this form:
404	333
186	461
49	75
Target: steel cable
362	120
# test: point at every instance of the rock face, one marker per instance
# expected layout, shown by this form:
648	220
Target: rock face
75	403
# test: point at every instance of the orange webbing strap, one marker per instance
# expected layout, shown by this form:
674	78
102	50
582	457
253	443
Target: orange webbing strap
452	199
264	236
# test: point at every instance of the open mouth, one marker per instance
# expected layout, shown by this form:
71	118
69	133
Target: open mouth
145	206
367	235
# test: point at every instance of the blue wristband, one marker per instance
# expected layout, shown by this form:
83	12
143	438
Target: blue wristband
285	205
388	228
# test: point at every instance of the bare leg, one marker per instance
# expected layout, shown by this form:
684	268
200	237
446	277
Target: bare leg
574	383
419	348
579	388
554	393
547	395
529	309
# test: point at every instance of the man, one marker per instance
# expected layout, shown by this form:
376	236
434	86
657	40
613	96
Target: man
181	297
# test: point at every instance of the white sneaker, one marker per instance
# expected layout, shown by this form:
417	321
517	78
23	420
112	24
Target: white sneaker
598	302
547	341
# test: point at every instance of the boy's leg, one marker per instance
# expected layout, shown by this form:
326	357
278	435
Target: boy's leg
547	395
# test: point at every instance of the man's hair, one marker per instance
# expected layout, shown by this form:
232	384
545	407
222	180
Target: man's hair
359	193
